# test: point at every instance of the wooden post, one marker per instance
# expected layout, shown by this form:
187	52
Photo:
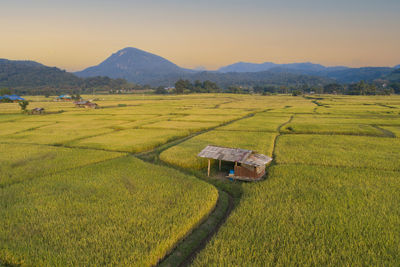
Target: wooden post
220	165
209	167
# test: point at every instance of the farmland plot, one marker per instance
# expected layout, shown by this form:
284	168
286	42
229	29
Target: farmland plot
339	150
131	140
332	128
263	122
312	215
20	162
119	212
185	154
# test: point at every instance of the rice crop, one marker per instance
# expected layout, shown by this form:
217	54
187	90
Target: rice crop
20	162
339	150
332	128
312	216
185	154
119	212
263	122
131	140
191	126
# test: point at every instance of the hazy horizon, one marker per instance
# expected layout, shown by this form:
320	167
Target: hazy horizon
74	35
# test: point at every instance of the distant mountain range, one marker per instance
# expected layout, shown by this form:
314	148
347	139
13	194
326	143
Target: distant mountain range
140	67
254	67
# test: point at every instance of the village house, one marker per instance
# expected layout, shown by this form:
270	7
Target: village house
64	98
248	165
37	111
86	104
13	98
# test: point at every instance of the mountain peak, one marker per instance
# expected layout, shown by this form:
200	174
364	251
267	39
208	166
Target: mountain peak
134	65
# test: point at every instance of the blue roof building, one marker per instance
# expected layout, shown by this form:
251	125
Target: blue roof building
12	97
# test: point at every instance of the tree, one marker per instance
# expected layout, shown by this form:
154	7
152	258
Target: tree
183	85
297	92
333	88
160	90
23	104
5	91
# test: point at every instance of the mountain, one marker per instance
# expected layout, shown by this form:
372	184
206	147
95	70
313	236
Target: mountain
353	75
339	73
134	65
304	68
247	67
394	76
15	73
33	77
397	67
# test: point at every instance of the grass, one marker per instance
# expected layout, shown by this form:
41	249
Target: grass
339	150
312	216
119	212
21	162
185	154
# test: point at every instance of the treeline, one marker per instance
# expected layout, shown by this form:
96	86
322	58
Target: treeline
360	88
187	87
82	86
28	77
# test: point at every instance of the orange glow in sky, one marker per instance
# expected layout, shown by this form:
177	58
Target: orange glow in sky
76	34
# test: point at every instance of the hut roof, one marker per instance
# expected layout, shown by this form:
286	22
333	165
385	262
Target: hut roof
234	155
257	160
83	102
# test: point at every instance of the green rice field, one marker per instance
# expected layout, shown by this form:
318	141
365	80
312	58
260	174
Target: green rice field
122	184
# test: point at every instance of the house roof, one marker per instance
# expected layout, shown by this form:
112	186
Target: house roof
13	97
64	96
234	155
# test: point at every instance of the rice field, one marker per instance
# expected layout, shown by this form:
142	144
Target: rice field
102	214
312	216
131	140
339	150
185	154
73	191
21	162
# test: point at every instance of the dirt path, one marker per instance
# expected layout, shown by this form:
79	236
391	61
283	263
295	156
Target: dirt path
187	250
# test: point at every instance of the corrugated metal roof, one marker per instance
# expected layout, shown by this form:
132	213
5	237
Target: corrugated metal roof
225	153
234	155
257	160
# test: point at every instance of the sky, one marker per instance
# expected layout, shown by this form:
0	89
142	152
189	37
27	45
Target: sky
76	34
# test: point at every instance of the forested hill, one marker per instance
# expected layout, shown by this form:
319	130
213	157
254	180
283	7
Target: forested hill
135	65
33	77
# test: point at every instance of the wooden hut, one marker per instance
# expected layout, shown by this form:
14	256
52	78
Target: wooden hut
248	165
37	111
64	98
85	104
